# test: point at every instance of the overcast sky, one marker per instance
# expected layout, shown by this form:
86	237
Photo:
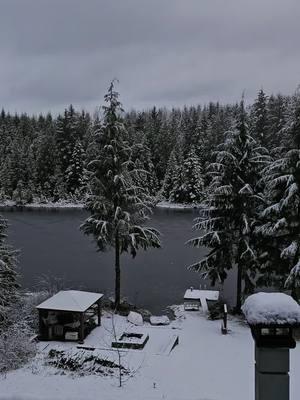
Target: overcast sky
164	52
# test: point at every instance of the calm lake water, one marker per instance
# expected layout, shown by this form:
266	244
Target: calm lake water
51	243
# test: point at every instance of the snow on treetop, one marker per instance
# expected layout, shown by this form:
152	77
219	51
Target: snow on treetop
271	308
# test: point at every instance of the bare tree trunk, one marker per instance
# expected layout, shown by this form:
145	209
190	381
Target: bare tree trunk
118	274
238	303
294	293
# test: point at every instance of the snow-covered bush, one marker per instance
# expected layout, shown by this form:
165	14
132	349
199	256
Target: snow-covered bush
15	347
27	310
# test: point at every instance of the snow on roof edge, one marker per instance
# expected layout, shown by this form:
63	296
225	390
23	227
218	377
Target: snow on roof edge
70	300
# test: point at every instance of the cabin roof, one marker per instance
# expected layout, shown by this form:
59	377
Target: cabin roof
70	300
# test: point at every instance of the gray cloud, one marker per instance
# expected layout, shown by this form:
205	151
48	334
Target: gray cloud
164	52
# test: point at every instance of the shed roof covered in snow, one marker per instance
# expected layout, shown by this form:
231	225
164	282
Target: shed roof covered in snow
70	300
271	309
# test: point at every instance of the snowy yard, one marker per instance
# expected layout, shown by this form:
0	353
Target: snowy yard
204	366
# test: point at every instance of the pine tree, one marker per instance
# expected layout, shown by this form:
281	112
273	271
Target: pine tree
66	136
276	110
280	227
260	119
192	187
230	211
174	179
8	276
116	205
75	171
170	178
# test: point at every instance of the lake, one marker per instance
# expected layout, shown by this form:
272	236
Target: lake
51	243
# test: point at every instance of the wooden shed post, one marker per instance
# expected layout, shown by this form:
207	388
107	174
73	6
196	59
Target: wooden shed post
81	329
41	325
99	312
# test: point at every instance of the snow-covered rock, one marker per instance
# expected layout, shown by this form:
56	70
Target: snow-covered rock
271	308
135	318
159	320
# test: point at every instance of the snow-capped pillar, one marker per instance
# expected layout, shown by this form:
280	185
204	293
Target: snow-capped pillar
272	317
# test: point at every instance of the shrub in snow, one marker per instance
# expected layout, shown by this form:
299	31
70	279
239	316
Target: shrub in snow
27	308
15	347
83	362
8	275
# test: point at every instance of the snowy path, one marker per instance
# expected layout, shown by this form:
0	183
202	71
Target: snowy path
204	366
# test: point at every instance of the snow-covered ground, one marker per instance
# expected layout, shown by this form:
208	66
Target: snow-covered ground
204	366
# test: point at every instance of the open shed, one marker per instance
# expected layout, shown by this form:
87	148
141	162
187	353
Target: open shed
69	315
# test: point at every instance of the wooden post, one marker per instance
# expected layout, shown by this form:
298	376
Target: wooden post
81	329
41	326
224	323
99	312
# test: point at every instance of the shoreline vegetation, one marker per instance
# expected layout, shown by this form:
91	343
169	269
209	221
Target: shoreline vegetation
10	204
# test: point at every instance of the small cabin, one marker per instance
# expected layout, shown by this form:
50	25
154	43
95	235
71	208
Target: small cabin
69	315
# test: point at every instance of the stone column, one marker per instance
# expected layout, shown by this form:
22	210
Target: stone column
272	367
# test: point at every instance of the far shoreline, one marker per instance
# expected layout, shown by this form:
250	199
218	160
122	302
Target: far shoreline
11	205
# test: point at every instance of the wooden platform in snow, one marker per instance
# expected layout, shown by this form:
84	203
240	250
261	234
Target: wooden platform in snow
168	345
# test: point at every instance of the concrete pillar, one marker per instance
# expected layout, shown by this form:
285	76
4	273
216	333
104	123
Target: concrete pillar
272	381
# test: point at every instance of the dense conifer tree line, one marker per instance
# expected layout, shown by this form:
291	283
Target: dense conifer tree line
44	158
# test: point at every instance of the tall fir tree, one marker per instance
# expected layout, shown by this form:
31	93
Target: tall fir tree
75	177
259	118
170	176
230	211
193	185
67	134
280	220
116	205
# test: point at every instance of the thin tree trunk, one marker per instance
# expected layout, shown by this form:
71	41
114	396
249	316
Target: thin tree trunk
238	290
294	293
118	274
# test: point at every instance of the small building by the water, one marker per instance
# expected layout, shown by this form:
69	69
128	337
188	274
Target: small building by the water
69	315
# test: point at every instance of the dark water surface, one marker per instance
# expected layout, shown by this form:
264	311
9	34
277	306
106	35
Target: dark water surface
51	243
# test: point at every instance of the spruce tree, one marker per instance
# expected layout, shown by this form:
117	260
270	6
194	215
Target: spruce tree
67	134
117	206
230	211
280	220
191	190
170	176
75	171
260	119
